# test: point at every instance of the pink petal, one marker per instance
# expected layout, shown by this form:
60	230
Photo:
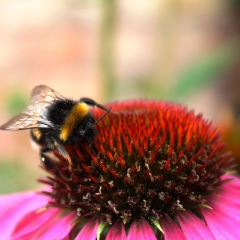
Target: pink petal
14	207
235	181
117	232
171	229
225	204
229	196
89	231
141	230
193	227
222	225
230	191
59	229
35	223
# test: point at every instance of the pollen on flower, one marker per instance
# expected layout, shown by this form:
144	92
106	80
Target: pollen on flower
150	158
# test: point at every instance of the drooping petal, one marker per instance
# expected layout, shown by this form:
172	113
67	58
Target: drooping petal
141	230
60	228
221	224
193	227
171	229
35	223
14	207
117	232
89	231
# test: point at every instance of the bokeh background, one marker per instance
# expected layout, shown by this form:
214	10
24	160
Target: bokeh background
176	50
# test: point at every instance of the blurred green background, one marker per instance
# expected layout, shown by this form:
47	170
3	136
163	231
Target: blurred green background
177	50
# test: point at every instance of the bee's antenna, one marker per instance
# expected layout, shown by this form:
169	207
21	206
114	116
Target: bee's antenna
92	103
90	145
108	110
102	107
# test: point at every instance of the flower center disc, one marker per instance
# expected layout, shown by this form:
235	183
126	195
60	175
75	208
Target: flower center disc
149	158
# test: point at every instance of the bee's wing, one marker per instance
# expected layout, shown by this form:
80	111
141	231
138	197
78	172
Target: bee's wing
26	120
35	114
44	95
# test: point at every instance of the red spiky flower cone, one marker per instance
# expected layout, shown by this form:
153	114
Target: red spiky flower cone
155	171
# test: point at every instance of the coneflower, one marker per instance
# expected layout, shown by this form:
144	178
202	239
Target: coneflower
155	171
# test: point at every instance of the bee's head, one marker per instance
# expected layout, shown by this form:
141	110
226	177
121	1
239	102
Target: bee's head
85	131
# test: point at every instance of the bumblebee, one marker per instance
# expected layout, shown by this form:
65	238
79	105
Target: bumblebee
55	121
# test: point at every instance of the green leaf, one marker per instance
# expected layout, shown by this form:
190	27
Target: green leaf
157	224
205	206
100	229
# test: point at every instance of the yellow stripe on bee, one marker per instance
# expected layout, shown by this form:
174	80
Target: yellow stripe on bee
36	133
76	115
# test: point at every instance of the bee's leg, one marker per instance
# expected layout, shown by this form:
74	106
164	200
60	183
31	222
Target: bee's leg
52	144
49	164
63	152
44	159
92	150
91	102
46	162
46	149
